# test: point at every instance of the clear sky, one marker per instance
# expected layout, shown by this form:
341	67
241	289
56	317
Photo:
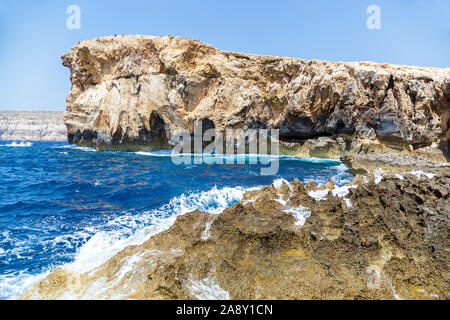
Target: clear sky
33	34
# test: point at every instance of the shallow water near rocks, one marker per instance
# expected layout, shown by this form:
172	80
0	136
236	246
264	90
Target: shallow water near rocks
68	205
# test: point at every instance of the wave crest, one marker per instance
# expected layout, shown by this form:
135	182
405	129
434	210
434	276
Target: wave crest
134	229
21	144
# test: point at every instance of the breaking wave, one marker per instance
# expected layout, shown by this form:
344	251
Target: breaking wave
104	245
126	230
69	206
21	144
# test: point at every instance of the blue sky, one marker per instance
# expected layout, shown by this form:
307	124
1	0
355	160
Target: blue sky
33	34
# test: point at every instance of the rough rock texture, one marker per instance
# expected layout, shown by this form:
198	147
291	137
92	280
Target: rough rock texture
383	240
32	126
371	163
132	92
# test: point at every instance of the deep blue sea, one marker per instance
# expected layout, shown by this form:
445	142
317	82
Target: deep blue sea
74	206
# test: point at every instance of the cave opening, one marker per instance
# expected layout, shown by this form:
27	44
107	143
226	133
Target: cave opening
158	130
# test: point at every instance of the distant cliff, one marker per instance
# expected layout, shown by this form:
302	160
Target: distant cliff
132	92
32	125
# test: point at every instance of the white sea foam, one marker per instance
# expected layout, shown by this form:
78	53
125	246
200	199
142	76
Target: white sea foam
127	267
103	245
127	231
300	214
278	183
207	289
377	175
6	235
205	233
342	192
319	195
17	144
280	200
348	202
75	147
342	175
160	153
419	173
14	284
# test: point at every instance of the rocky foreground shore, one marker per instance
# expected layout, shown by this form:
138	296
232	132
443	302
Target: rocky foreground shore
133	92
384	236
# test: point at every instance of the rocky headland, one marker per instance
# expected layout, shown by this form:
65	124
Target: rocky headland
32	126
133	92
383	236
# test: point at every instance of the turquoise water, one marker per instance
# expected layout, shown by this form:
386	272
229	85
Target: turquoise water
61	204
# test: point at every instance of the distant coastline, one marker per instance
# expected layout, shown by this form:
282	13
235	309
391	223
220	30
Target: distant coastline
32	126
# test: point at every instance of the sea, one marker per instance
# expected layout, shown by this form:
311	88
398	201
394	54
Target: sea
63	205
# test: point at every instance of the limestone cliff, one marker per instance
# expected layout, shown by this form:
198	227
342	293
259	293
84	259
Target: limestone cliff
32	126
131	92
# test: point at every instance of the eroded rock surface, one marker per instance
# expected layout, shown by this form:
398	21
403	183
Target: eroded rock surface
386	238
133	92
381	163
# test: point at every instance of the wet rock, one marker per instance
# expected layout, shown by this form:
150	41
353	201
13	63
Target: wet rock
280	243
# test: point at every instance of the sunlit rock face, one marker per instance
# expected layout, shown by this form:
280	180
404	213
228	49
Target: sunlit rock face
32	126
132	92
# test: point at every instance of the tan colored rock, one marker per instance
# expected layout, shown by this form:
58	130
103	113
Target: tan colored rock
390	163
392	242
132	92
